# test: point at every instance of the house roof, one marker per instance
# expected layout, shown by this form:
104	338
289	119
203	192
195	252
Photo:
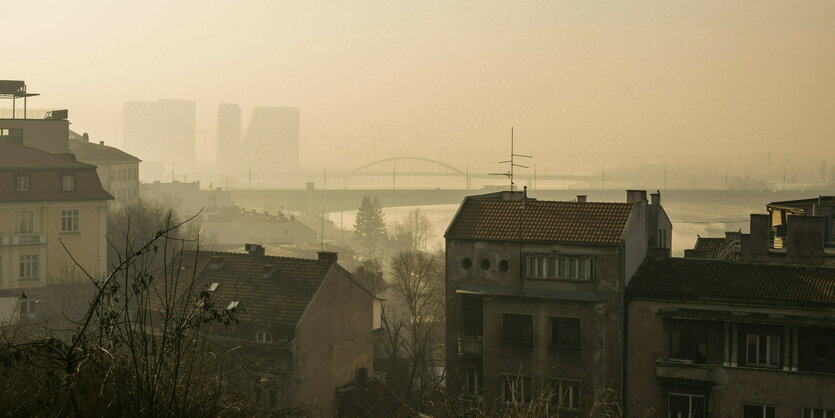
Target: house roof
45	171
715	248
270	290
767	284
494	218
89	151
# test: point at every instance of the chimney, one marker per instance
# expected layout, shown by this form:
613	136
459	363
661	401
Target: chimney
731	236
254	249
362	376
758	241
85	137
655	198
328	257
805	236
635	196
101	142
581	198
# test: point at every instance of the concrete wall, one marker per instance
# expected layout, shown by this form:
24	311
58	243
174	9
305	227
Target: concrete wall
730	387
333	340
597	365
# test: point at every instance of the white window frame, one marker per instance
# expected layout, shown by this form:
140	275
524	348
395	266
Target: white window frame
22	183
562	386
539	267
264	337
817	413
689	397
512	380
768	344
762	406
474	392
71	218
536	267
29	220
28	266
68	183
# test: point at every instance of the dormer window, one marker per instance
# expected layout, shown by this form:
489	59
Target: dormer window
68	183
213	286
267	271
232	305
264	337
22	183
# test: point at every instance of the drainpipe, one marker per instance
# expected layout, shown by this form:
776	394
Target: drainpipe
624	320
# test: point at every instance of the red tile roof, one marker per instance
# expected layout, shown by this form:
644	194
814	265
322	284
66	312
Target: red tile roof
715	248
45	171
699	279
492	218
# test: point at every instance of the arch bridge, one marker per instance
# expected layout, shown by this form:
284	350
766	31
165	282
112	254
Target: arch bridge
406	166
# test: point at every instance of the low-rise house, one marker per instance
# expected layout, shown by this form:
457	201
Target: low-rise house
305	324
535	294
731	339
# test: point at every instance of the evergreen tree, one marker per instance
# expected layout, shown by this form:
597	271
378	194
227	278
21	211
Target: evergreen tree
370	225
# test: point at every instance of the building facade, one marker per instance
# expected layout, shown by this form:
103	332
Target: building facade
48	202
305	324
717	338
118	171
535	295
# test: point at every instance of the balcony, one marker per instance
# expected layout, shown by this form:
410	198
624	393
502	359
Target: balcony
470	347
684	371
22	239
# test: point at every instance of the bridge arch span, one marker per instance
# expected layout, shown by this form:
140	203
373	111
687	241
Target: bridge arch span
359	169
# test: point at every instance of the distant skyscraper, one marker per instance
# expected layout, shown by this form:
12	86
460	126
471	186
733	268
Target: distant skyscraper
161	131
229	150
272	140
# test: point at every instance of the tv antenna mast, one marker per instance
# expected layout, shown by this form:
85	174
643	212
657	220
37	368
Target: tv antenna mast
509	173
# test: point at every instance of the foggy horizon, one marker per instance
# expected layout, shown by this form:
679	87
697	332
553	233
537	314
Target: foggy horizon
584	85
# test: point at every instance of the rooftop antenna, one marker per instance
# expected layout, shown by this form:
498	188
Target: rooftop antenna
509	174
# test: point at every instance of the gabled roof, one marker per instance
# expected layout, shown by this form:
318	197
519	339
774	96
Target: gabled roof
16	157
270	290
733	281
494	218
88	151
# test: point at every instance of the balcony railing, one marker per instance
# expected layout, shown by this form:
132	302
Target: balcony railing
470	346
23	239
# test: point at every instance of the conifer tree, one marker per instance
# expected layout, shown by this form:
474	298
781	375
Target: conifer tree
370	225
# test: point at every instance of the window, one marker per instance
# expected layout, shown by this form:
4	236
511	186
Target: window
517	329
12	135
232	305
763	350
264	337
682	405
553	267
516	389
536	269
485	264
28	266
757	411
818	413
503	265
565	332
688	344
472	316
213	286
565	394
472	384
22	183
466	263
24	222
267	392
69	220
68	183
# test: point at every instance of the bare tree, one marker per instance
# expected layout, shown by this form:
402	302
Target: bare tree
415	229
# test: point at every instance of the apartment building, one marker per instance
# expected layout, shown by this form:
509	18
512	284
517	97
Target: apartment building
118	171
535	294
719	338
48	202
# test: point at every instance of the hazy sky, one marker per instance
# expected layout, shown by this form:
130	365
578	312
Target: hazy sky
580	80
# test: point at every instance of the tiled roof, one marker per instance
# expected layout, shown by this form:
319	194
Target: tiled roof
532	220
45	171
715	249
88	151
688	278
278	299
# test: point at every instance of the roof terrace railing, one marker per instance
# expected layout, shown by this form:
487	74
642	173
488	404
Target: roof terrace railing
27	114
